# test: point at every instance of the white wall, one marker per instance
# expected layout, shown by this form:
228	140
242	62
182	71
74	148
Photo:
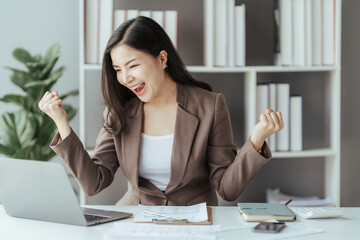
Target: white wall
35	25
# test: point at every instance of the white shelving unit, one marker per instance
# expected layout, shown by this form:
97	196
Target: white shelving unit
330	153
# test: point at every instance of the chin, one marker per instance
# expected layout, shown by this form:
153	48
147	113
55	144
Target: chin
144	99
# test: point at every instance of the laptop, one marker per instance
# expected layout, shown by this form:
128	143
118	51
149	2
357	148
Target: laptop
42	191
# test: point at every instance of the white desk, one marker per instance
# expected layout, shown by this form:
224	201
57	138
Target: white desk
346	227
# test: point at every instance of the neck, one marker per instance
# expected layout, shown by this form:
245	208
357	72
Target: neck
167	94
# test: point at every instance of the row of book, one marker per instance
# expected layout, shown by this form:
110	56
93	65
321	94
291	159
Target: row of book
101	19
276	96
307	32
229	34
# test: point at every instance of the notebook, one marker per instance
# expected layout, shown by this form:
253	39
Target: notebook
266	211
42	191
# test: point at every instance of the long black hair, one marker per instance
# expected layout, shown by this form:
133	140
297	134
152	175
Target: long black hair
143	34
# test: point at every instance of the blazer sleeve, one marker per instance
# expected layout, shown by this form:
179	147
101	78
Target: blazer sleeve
231	170
96	173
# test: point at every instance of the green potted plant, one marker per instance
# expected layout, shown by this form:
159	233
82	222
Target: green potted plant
27	132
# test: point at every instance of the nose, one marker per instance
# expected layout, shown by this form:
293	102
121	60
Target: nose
127	78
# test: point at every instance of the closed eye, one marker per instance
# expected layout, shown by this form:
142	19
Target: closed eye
133	66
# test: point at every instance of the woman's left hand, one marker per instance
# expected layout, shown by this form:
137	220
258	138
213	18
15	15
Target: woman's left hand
270	122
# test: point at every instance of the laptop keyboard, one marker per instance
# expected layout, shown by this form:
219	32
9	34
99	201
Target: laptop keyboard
92	217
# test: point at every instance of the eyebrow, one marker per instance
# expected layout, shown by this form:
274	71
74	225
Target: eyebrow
127	63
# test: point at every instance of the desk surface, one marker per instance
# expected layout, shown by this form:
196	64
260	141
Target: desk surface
346	227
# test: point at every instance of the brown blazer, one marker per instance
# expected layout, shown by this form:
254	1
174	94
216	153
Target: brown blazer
203	160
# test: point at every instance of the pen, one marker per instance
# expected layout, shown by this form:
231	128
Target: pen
160	215
288	202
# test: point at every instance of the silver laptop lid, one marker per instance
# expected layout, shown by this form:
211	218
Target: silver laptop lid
38	190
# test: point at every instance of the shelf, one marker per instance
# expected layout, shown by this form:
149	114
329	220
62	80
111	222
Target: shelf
261	69
252	75
206	69
323	152
91	66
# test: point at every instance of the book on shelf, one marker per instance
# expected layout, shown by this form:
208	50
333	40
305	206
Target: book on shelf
298	14
220	33
328	32
105	26
276	96
283	105
262	101
170	25
307	32
296	123
316	31
158	16
131	13
259	24
119	17
272	105
91	27
145	13
286	32
101	20
231	33
277	56
240	42
258	212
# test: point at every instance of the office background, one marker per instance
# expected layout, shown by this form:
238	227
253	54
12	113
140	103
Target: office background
37	24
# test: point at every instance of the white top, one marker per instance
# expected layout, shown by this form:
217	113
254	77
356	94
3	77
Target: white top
155	159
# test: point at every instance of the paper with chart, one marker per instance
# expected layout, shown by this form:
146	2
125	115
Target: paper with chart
194	213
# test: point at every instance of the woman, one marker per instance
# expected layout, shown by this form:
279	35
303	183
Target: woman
170	135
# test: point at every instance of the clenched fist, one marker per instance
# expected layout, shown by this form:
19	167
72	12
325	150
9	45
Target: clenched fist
52	105
270	123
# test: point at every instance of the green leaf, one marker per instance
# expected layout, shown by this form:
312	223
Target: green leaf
57	73
25	151
20	78
52	52
17	129
46	129
71	93
36	68
22	55
47	153
22	101
37	58
43	84
47	83
48	68
7	151
37	88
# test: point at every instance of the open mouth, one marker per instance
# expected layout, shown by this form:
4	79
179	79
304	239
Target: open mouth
139	89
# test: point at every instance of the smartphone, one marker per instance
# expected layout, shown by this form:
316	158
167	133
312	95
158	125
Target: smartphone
269	227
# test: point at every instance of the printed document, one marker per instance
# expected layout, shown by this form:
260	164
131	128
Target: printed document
194	213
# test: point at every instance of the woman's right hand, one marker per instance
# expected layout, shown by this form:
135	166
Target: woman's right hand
52	105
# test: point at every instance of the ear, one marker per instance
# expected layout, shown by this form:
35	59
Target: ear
163	58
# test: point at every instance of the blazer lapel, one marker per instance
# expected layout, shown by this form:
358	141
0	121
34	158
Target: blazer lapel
130	140
185	130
